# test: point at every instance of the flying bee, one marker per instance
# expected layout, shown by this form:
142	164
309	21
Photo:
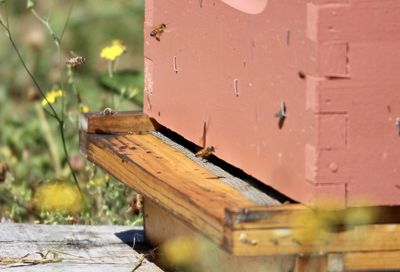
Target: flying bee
75	61
157	31
205	152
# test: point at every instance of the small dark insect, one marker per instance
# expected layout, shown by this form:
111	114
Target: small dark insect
157	31
3	171
136	204
75	61
205	152
108	111
302	75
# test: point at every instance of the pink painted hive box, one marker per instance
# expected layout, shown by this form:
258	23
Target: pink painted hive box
304	95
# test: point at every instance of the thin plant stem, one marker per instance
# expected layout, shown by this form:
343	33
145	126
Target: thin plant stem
114	65
6	27
110	69
57	42
52	112
67	20
49	139
45	22
71	81
60	58
62	133
61	122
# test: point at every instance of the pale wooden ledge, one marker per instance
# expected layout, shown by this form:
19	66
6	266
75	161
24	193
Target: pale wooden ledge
79	248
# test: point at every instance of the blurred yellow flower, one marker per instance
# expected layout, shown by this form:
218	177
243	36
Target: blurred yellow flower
181	250
84	108
97	182
52	96
114	51
58	195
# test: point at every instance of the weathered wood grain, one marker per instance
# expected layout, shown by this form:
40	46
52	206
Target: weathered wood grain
80	248
353	261
294	215
162	226
167	177
116	122
372	261
313	239
296	229
312	264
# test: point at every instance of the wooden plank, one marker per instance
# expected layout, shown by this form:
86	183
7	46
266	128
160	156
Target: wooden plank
72	267
162	226
294	215
264	217
312	238
372	261
311	264
59	233
116	122
79	248
166	176
296	229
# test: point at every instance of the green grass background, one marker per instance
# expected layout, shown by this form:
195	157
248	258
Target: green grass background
92	26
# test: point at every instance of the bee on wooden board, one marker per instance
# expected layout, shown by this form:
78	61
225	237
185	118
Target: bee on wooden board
75	60
205	152
108	112
157	31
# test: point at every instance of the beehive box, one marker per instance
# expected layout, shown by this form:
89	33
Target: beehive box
223	70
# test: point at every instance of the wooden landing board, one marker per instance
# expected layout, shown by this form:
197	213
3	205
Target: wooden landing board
199	199
167	177
79	248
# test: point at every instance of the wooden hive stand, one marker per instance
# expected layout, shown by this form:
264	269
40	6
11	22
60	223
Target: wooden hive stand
182	198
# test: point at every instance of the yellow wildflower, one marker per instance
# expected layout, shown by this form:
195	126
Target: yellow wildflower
52	96
58	195
114	51
84	108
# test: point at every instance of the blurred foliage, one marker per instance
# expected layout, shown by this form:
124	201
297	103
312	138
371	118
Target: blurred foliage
25	141
127	83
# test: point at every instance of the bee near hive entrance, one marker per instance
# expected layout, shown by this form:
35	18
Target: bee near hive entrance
157	31
205	152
